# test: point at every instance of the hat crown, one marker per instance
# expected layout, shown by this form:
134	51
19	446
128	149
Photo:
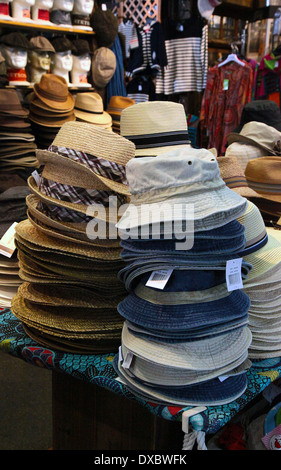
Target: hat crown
53	85
121	102
9	99
262	133
91	102
102	143
152	118
264	170
41	43
172	169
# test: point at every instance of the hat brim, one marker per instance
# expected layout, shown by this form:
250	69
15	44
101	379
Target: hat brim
38	103
65	105
221	205
67	171
235	137
55	122
99	119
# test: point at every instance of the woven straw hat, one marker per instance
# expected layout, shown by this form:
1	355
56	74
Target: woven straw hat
211	353
244	152
253	222
265	260
234	177
155	127
96	143
89	108
264	175
33	236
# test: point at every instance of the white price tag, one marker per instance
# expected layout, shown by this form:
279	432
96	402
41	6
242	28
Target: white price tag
139	88
158	279
276	64
120	356
128	359
7	244
223	377
233	274
103	6
36	176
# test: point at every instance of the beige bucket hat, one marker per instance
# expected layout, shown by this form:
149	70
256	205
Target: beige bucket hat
259	134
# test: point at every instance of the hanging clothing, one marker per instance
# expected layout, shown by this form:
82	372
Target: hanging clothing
228	89
141	89
187	54
268	79
147	50
126	28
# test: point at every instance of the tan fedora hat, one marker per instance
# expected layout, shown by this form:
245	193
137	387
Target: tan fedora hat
264	176
40	106
155	127
115	107
89	108
259	134
102	163
234	177
53	91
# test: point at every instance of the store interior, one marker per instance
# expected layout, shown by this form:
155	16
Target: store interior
140	228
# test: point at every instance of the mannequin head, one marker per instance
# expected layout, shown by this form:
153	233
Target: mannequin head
40	60
14	57
61	64
63	5
44	4
21	9
82	63
83	7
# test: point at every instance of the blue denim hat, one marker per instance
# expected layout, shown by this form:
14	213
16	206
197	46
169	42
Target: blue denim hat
210	393
131	273
208	331
187	316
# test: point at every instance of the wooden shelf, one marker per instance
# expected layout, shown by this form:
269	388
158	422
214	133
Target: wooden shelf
41	27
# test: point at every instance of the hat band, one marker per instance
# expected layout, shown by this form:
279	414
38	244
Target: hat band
266	188
88	111
110	170
159	140
51	97
236	182
181	298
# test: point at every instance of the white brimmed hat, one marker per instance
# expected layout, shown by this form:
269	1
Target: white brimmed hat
173	181
244	152
155	127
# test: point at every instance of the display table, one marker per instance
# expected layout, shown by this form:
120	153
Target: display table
88	416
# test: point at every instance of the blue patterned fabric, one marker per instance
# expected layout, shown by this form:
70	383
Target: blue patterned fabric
98	369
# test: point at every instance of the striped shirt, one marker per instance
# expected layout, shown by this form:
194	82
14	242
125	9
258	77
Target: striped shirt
187	54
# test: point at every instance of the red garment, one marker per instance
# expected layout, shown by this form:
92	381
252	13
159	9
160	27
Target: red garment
221	108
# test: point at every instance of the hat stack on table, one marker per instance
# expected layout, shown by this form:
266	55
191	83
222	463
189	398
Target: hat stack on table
89	108
115	107
51	105
70	292
181	337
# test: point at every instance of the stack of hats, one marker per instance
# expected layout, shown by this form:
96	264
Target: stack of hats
115	107
17	152
155	127
263	288
64	261
186	323
89	108
51	105
263	176
255	140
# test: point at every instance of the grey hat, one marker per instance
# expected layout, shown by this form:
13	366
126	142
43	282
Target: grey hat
40	43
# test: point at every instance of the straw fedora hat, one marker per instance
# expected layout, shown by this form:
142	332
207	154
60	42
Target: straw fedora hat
53	91
50	121
259	134
106	153
89	108
155	127
115	107
234	177
264	176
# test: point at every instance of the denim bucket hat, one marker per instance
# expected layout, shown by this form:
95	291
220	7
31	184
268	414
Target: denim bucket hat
168	376
163	187
177	308
204	354
210	393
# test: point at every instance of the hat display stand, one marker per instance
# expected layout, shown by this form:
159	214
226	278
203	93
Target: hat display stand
41	12
16	62
81	12
61	12
21	10
175	313
4	11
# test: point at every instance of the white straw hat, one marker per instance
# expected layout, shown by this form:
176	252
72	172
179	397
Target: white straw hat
155	127
244	152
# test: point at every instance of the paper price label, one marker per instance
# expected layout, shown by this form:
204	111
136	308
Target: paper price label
225	84
7	243
158	279
233	274
128	359
36	176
